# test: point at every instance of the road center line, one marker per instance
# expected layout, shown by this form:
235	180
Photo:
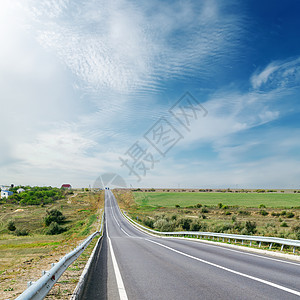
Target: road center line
125	231
229	270
120	284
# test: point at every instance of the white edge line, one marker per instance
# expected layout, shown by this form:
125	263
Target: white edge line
230	270
120	284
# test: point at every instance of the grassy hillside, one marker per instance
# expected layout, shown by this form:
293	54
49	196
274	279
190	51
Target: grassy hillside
23	257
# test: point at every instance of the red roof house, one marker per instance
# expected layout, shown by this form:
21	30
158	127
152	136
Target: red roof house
66	186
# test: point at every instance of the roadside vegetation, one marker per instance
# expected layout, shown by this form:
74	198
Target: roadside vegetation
259	213
35	195
34	236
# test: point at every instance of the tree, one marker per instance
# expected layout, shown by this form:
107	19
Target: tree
11	226
54	215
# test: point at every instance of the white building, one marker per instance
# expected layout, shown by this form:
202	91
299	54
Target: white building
20	190
5	194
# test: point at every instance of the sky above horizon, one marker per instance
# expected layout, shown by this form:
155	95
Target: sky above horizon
94	87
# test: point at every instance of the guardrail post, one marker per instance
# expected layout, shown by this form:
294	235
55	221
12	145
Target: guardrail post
250	243
281	247
235	240
259	244
223	240
242	242
294	249
229	240
270	245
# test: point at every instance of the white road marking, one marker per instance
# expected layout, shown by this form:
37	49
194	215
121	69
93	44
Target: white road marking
230	270
125	232
120	284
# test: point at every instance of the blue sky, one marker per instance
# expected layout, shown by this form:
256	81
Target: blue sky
82	81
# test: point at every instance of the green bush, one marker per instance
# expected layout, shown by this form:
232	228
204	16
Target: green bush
283	224
290	214
185	223
250	227
21	232
195	226
164	225
204	210
220	205
274	214
148	222
54	215
244	212
263	212
11	226
262	206
55	228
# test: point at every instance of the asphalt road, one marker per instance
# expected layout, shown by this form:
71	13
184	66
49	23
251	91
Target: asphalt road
133	265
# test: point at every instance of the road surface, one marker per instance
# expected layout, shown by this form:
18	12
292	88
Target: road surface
133	265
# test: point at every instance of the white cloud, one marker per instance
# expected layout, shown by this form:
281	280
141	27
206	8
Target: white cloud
278	74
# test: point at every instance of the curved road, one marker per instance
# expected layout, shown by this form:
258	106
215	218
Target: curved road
133	265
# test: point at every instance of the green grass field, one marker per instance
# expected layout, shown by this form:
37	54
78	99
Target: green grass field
271	200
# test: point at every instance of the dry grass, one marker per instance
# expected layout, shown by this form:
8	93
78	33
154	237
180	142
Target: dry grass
23	258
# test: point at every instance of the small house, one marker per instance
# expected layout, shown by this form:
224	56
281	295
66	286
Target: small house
66	186
20	190
5	193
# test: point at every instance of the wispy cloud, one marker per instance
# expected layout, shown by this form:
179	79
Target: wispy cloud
80	81
128	46
278	74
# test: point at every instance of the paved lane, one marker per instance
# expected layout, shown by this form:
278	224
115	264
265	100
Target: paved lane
160	268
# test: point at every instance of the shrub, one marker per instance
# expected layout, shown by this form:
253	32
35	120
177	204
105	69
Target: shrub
174	217
22	232
296	229
54	215
220	205
274	214
283	213
290	215
244	212
263	212
177	205
185	223
195	226
262	206
148	222
283	224
227	213
199	205
204	210
250	227
223	227
55	228
225	207
11	226
233	218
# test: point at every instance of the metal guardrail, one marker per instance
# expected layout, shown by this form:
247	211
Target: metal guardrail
229	237
39	289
